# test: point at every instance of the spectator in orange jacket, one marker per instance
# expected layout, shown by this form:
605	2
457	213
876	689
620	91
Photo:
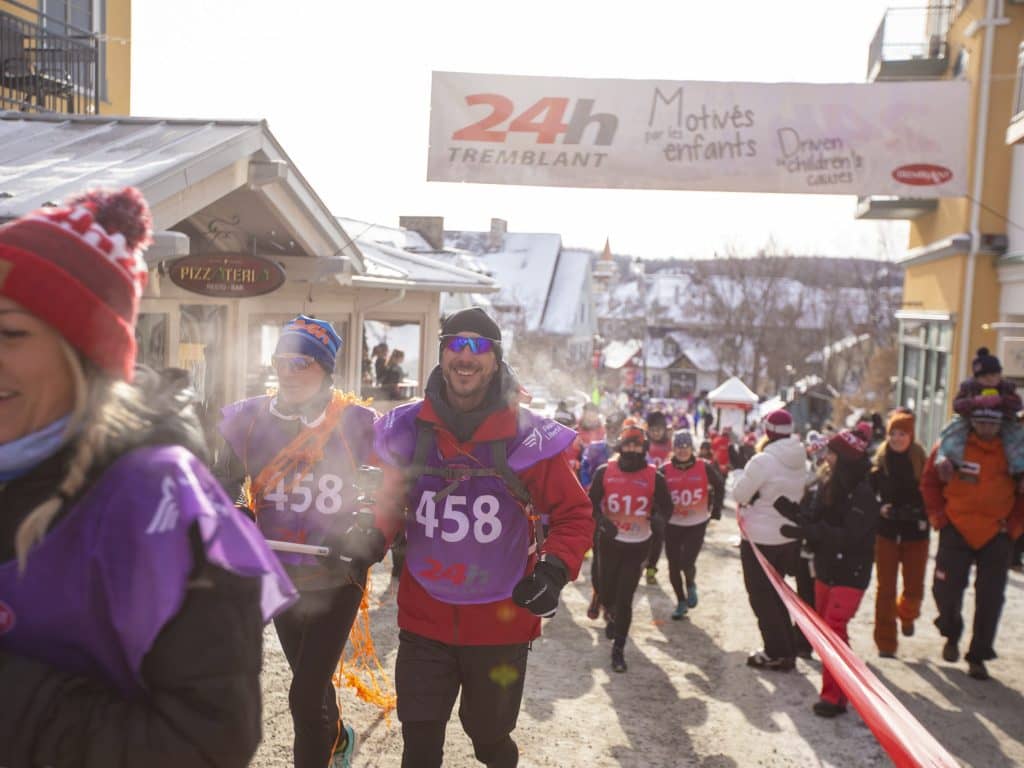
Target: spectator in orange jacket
977	513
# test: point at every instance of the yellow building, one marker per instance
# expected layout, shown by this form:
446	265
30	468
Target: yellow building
956	295
70	56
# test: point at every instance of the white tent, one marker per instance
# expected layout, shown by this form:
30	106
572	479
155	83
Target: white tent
731	401
733	393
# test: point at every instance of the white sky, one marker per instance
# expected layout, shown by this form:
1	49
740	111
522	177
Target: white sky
345	87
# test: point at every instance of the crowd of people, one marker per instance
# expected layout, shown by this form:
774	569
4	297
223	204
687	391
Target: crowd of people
169	562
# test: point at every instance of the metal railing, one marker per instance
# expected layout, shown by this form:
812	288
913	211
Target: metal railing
915	37
41	71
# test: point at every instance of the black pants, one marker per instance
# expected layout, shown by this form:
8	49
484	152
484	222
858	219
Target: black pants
313	634
1018	552
398	555
622	564
772	617
428	676
654	553
952	568
682	545
804	588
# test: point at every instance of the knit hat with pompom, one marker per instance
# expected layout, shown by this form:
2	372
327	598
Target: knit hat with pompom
79	268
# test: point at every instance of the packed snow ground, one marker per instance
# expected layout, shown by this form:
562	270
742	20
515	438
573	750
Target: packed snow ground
688	698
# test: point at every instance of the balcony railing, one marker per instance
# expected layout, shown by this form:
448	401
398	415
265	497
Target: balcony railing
41	71
911	44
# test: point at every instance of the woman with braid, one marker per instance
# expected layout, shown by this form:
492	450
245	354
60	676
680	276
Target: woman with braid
132	593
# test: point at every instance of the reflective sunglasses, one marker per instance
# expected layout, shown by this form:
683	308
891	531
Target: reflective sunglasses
477	344
291	364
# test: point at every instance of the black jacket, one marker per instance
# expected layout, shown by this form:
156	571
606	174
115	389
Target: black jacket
894	482
202	706
842	535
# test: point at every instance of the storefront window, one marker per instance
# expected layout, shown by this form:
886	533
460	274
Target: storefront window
151	340
201	352
924	364
391	359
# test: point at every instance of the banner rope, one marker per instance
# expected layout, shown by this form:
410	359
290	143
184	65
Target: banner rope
900	734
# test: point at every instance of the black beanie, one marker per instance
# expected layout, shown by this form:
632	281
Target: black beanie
985	363
474	320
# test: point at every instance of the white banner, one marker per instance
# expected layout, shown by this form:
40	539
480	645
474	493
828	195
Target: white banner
902	138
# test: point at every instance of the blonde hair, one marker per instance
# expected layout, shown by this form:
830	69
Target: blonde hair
97	416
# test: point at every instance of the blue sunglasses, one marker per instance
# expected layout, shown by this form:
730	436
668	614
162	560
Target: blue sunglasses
477	344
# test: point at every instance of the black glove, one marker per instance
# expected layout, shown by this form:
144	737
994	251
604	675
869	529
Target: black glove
793	531
358	548
538	592
606	527
658	525
790	510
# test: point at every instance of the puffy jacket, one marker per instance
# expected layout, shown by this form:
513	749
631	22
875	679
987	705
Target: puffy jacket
555	491
202	673
780	470
843	535
978	510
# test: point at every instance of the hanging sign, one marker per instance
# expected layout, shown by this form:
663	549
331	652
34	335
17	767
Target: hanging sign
892	138
227	276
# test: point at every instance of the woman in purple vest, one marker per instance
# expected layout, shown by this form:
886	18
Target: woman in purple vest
132	593
296	457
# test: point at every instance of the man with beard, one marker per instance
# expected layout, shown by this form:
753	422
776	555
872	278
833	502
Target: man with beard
473	471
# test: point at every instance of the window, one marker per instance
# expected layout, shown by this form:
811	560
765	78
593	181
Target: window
923	368
78	19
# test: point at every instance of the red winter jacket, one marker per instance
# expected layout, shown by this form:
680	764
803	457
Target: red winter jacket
554	490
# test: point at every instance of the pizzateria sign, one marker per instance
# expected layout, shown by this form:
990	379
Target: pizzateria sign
227	275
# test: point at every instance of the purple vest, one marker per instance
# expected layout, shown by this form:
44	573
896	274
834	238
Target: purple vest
472	545
113	571
323	499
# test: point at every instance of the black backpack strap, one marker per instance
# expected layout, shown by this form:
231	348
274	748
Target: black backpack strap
499	453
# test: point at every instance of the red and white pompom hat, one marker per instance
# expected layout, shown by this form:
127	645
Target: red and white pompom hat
80	269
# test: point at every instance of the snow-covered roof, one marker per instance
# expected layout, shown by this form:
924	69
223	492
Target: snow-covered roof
732	391
47	158
523	265
393	266
568	287
617	353
397	237
663	352
844	344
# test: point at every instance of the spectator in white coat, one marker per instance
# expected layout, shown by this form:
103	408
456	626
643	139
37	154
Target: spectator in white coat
779	469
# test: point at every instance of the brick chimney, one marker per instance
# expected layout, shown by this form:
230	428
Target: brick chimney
496	237
431	228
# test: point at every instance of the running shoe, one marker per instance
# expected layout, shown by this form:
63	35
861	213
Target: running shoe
342	757
907	628
950	652
594	609
824	708
652	576
976	669
761	660
680	610
691	596
618	659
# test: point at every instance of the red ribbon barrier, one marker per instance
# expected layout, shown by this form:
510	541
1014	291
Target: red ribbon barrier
906	741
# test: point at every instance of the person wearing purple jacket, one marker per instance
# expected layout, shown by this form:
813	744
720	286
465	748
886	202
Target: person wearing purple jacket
133	594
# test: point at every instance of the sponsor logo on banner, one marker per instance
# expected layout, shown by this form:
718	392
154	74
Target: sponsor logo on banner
7	620
922	174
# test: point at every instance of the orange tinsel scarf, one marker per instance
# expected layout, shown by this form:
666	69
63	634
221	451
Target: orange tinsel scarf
363	672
